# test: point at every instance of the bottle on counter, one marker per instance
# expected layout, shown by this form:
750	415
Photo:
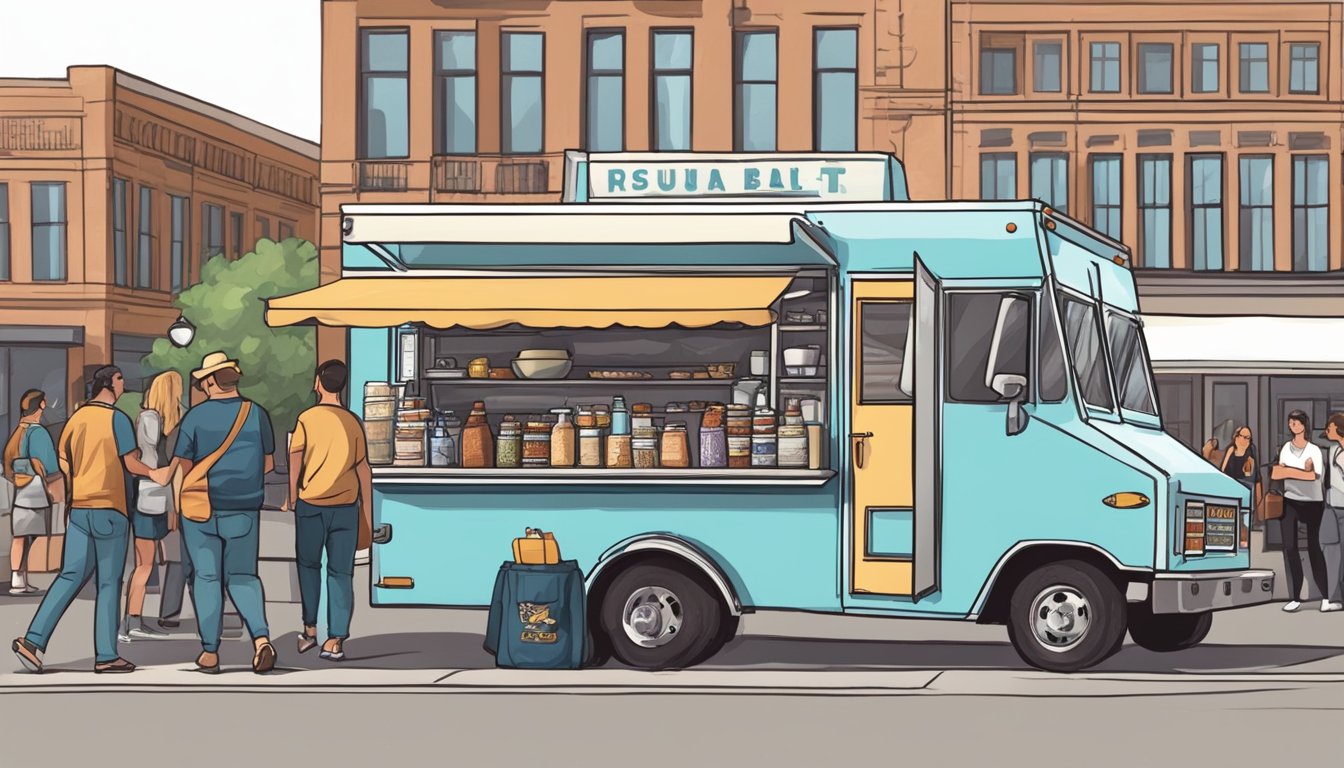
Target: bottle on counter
509	452
442	443
478	444
676	452
713	442
562	439
620	417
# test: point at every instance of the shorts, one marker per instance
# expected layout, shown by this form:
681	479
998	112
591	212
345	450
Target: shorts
30	522
153	527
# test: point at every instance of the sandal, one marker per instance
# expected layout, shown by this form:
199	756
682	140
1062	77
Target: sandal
336	655
207	670
307	642
264	660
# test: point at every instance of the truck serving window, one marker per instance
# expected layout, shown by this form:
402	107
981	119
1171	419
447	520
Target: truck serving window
1130	361
971	322
1083	334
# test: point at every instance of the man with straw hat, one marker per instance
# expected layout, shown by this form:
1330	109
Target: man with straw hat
229	443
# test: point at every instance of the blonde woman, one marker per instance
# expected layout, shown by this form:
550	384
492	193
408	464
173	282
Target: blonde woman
155	433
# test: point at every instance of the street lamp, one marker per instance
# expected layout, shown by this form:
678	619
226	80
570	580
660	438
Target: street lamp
181	332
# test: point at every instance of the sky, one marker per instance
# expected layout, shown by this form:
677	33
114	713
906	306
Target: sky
259	58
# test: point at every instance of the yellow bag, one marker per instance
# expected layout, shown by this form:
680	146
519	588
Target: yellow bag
194	497
536	548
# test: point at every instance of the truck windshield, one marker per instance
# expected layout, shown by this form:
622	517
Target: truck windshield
1082	330
1129	359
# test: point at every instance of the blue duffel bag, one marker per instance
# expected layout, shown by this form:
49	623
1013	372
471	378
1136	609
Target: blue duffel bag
537	616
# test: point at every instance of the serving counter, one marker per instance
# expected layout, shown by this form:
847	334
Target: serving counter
459	476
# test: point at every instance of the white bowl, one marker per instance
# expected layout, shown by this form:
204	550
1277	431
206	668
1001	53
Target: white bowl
794	356
541	369
543	354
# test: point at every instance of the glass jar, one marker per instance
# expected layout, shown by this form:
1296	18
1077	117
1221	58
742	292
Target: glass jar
618	452
793	446
602	415
590	447
510	449
645	452
537	444
676	451
738	429
562	439
585	419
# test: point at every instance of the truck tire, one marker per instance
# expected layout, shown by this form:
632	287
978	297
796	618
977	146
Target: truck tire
1066	616
656	617
1166	632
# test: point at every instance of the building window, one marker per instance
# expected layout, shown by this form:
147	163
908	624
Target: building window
1105	67
146	240
1254	58
605	92
455	92
212	232
286	230
384	78
1050	179
672	57
120	265
1304	68
4	232
49	224
181	239
1106	194
1155	65
1204	68
1047	66
1257	213
835	89
1155	211
236	234
998	176
263	228
1311	213
756	70
1206	211
522	56
998	71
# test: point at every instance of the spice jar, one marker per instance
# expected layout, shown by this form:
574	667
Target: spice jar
537	444
562	439
478	445
585	419
590	447
602	414
738	436
676	452
641	415
713	442
644	447
508	454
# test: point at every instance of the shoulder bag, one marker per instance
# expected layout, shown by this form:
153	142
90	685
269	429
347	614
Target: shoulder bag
30	486
195	494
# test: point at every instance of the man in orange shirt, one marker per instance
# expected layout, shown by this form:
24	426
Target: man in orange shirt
96	449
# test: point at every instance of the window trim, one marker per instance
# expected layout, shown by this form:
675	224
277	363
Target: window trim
1119	61
990	50
906	397
655	73
63	225
1130	415
1143	207
817	72
739	48
1292	45
1269	72
1087	409
1061	73
1031	177
1305	160
998	157
585	92
1193	207
182	259
146	239
1032	295
1140	79
121	264
505	82
1196	66
1119	204
1244	256
361	129
441	74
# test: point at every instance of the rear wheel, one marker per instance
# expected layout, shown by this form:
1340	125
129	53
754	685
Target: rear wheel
1066	616
1166	632
656	617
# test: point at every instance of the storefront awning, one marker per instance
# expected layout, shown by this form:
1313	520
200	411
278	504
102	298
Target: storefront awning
1244	344
483	303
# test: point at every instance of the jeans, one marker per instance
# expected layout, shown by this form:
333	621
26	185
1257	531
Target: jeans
176	577
224	554
1332	541
1309	513
95	544
335	529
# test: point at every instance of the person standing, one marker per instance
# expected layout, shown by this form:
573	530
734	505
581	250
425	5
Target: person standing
228	441
96	450
332	485
30	463
1332	520
1299	467
155	431
1239	462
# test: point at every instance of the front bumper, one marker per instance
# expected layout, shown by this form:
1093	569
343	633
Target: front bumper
1198	593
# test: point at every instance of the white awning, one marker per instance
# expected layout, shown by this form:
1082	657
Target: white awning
1245	344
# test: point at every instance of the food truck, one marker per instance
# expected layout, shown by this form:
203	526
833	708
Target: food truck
748	382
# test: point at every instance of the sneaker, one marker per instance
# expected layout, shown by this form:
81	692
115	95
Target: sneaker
1291	606
18	591
123	637
169	623
30	589
29	655
1329	607
144	632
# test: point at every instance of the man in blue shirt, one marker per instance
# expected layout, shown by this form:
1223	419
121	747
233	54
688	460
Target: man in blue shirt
224	547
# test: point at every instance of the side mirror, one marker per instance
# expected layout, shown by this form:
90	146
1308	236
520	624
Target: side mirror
1013	387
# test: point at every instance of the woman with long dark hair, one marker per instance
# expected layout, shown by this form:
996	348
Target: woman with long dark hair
1299	467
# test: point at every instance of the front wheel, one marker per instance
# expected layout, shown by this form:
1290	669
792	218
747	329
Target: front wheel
1066	616
655	617
1166	632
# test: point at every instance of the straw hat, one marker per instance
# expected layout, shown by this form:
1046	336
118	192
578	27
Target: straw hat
213	362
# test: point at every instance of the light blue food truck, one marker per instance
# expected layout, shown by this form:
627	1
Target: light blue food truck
980	437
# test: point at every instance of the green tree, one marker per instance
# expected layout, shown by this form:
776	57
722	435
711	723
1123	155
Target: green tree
228	309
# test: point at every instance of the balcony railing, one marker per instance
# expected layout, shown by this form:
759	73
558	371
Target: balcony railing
382	176
498	174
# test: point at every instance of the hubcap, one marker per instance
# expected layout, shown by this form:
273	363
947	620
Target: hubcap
1060	618
652	617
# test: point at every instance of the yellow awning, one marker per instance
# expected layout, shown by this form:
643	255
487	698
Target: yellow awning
539	302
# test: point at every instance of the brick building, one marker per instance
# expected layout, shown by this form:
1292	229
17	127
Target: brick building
113	192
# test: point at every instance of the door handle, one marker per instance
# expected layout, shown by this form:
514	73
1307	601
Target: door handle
382	534
858	449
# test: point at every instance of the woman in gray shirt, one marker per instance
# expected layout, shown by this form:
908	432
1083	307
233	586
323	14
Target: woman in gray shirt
1299	467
